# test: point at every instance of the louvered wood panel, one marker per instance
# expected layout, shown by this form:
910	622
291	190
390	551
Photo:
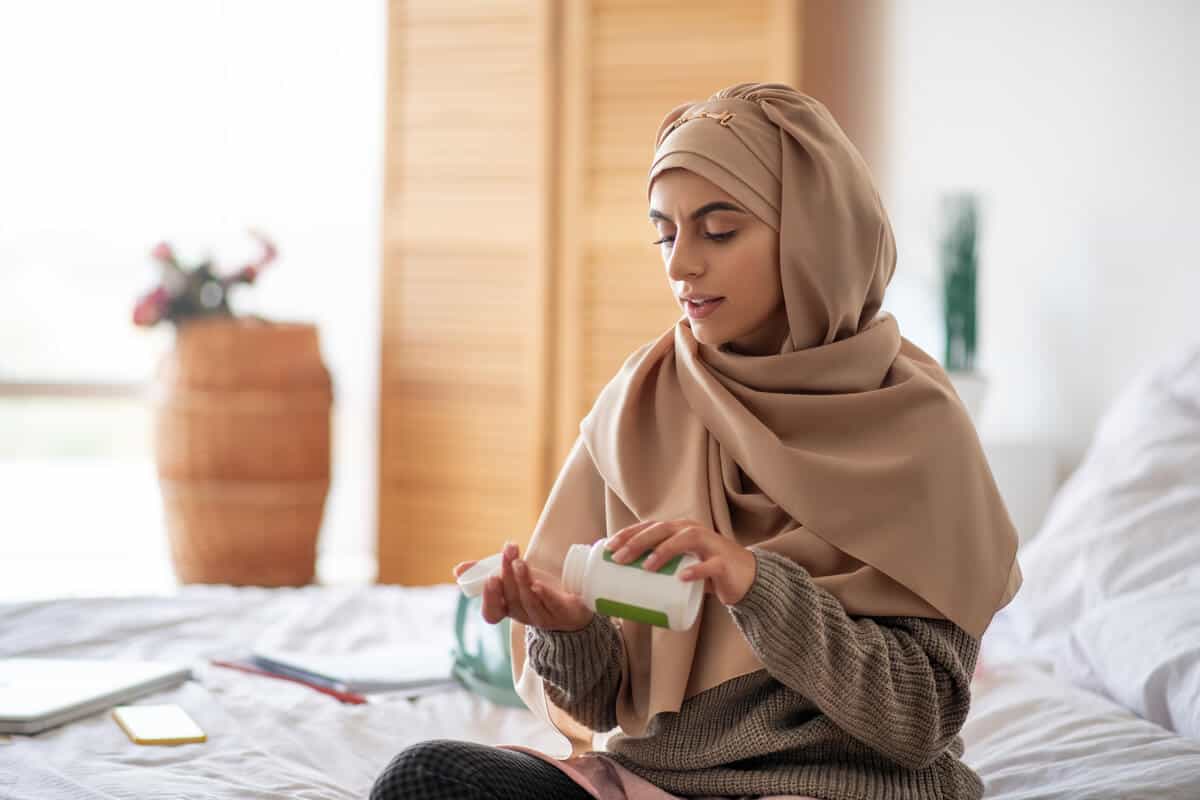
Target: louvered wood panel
463	432
627	63
518	271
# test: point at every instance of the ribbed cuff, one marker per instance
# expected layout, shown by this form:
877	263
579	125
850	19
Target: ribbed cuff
572	658
774	582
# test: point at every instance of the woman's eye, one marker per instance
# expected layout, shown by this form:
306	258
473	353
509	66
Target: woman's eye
716	237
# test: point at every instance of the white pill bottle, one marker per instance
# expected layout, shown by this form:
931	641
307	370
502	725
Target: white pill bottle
627	591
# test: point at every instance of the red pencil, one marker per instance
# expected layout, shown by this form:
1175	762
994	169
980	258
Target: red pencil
346	697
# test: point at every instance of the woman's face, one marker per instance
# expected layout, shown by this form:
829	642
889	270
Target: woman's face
713	247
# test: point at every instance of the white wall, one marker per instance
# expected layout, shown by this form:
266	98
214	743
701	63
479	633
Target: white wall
1078	123
132	121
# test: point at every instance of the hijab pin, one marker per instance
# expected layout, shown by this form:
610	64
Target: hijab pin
722	119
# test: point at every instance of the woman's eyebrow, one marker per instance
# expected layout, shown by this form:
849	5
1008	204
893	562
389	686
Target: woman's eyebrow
708	208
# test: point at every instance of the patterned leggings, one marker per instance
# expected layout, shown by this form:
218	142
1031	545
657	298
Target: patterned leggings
444	769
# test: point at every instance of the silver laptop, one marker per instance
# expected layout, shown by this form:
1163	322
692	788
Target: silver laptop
40	693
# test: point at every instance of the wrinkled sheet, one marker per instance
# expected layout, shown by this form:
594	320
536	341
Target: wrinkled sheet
267	739
1029	735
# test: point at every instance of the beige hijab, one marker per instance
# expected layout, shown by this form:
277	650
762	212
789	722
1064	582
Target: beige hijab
848	451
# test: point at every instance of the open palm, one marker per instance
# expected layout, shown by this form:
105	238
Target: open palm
529	596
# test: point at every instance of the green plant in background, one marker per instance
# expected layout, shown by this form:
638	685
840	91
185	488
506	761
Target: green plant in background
959	264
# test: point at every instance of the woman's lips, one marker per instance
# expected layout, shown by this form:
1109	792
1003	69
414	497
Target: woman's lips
701	310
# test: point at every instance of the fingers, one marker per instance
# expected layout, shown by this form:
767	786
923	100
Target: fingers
512	595
618	539
642	540
553	601
494	608
535	611
728	574
537	576
712	568
463	566
548	596
686	538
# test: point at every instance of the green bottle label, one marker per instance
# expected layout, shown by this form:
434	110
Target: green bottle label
611	608
666	569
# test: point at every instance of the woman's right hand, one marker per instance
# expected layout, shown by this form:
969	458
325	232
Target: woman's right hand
531	597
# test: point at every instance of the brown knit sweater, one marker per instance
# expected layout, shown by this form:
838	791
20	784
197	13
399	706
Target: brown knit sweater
847	708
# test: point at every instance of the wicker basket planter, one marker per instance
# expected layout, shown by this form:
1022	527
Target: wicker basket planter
242	447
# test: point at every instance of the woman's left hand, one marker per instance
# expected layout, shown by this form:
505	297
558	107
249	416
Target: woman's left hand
728	567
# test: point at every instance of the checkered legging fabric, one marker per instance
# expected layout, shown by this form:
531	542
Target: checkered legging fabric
444	769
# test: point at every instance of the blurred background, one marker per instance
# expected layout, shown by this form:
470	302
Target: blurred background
456	191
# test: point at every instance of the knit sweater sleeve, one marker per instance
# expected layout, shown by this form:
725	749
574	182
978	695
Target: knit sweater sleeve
581	670
900	685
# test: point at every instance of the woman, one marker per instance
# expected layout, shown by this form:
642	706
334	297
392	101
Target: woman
852	540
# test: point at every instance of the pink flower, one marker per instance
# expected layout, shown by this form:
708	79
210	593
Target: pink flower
250	272
151	307
162	252
198	289
269	251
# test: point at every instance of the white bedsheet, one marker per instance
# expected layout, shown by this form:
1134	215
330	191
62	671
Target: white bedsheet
1031	736
266	738
1028	735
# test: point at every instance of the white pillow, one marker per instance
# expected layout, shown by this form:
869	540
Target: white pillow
1143	650
1127	521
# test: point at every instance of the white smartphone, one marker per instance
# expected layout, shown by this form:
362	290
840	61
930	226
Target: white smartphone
161	724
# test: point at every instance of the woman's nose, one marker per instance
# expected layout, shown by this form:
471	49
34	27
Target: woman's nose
682	262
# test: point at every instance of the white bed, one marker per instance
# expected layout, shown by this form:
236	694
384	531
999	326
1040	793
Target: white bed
266	738
1029	734
1089	688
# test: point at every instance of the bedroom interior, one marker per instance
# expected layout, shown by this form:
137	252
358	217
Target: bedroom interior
456	191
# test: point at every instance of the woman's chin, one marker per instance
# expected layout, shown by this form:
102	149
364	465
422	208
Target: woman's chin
704	335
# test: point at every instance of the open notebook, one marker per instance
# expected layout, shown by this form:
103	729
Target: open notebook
408	668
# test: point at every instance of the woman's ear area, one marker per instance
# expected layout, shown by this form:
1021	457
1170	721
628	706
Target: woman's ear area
671	116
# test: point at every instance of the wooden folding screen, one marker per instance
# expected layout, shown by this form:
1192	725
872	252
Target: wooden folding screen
517	267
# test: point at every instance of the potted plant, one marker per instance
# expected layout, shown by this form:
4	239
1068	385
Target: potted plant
959	268
241	409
